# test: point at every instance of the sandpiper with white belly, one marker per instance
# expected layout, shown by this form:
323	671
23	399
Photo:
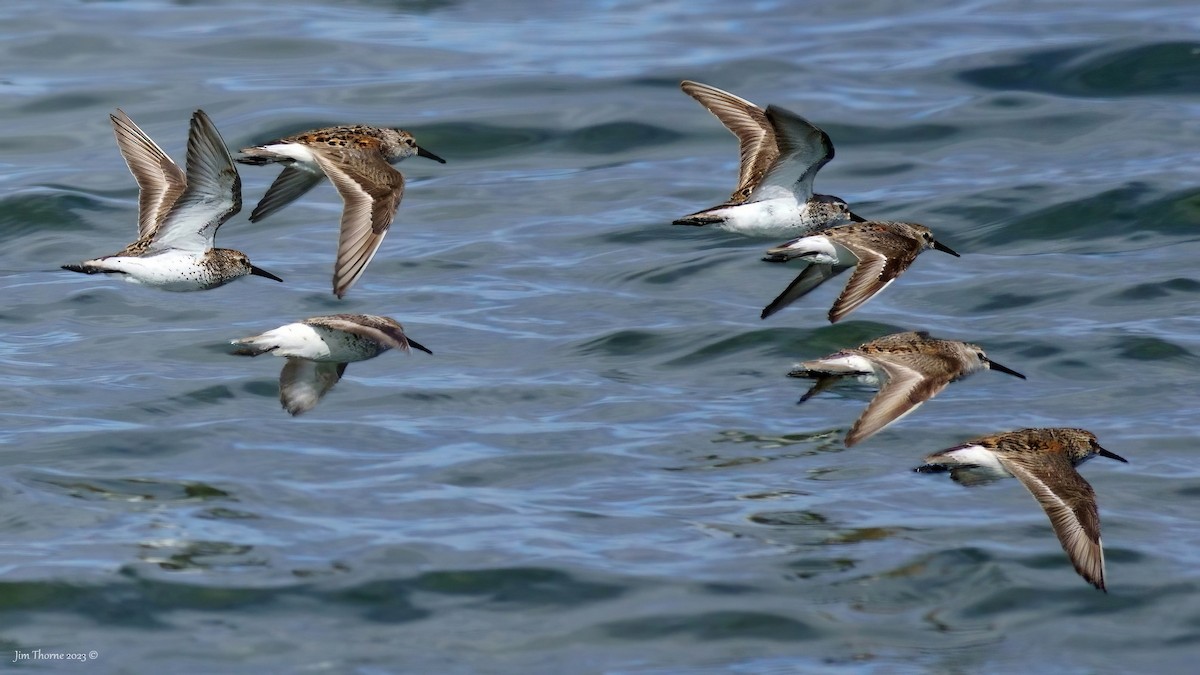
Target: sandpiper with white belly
178	213
910	368
879	251
317	350
1044	460
357	159
781	153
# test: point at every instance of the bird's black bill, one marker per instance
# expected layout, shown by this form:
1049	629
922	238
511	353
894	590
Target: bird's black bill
855	217
417	345
1111	455
1004	369
260	272
422	152
945	249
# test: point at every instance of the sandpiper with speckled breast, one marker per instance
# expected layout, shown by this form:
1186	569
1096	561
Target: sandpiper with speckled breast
909	367
879	251
317	351
781	153
1044	460
178	213
357	159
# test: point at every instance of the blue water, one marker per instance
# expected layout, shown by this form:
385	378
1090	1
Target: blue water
603	468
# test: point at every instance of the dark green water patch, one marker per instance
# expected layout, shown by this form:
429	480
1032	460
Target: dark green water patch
877	171
517	586
33	213
265	388
677	271
1147	348
1010	599
825	339
1131	212
1007	301
401	7
1166	68
131	489
1149	292
500	589
1038	350
475	140
923	134
722	625
773	341
614	137
628	343
117	604
131	604
223	513
204	396
384	601
137	443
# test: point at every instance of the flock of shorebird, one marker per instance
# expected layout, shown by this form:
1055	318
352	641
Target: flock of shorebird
781	153
179	212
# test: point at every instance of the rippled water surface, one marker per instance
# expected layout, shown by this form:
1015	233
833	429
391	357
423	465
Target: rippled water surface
603	468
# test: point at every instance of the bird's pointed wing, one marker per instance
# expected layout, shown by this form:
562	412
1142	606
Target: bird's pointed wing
878	266
905	387
749	123
973	476
302	383
290	185
1070	503
802	150
160	181
213	194
811	277
371	190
